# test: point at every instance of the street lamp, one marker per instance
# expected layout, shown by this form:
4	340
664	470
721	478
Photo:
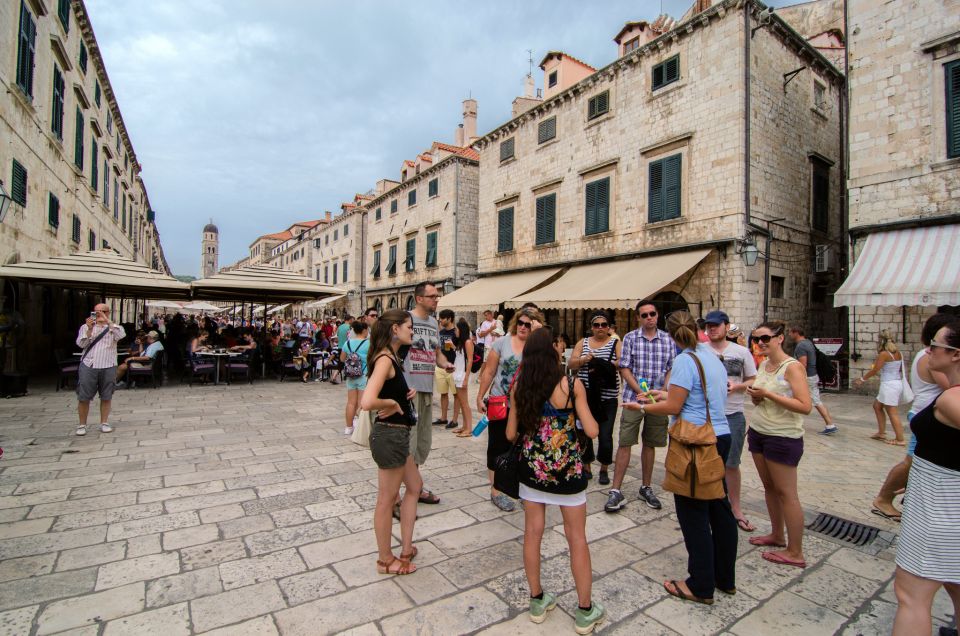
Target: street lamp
5	201
750	253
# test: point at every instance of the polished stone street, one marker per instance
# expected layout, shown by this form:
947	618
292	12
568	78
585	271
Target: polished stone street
244	510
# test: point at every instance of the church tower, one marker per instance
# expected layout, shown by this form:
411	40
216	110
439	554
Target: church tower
210	250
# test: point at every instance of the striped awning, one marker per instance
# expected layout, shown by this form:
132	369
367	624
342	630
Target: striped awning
913	267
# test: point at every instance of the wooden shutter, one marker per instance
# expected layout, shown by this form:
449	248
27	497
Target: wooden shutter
546	219
393	207
655	192
411	259
671	187
63	12
598	105
506	149
547	130
53	210
505	230
83	57
76	229
657	76
78	141
345	277
598	206
671	70
952	81
96	92
18	189
431	249
56	120
94	167
433	188
26	50
412	198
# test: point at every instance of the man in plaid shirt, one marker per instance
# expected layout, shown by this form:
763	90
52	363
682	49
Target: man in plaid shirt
648	355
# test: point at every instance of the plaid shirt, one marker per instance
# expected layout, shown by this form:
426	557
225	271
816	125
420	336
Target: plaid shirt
650	359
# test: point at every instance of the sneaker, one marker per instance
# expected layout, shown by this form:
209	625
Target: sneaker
586	621
604	479
540	607
829	430
81	431
348	430
646	493
614	502
120	385
106	428
503	502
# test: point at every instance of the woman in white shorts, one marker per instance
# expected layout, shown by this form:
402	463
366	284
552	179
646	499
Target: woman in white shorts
889	365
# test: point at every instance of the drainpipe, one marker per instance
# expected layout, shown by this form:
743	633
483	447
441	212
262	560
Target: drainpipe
746	113
844	171
363	261
456	220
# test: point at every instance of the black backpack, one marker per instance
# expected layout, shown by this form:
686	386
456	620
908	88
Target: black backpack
603	376
825	369
477	361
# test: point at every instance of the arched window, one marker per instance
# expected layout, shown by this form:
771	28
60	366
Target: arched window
667	302
379	306
393	302
411	303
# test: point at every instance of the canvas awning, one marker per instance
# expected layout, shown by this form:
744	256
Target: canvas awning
488	293
199	305
323	303
102	271
612	284
261	283
914	267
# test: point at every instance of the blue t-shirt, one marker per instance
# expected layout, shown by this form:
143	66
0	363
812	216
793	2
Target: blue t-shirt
685	375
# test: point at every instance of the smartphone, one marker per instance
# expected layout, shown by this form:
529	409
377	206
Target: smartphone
93	315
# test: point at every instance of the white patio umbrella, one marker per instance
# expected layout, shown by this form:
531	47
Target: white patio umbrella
278	309
163	304
202	306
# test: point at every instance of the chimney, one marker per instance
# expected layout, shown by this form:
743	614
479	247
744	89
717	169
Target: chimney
469	121
701	6
528	86
458	136
328	215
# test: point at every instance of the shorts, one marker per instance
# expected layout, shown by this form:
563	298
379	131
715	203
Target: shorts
389	445
654	429
421	437
357	384
443	382
91	381
813	381
738	433
497	442
782	450
889	393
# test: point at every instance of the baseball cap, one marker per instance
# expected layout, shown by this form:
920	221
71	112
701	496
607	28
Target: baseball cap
716	317
154	335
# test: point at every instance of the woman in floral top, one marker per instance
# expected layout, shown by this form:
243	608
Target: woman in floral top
544	408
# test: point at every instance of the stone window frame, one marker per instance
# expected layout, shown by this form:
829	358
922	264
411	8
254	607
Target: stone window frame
664	65
543	129
778	287
942	52
511	149
501	210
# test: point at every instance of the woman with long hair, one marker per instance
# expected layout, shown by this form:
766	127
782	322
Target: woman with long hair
387	394
356	343
888	365
928	551
775	440
498	373
708	525
463	346
544	407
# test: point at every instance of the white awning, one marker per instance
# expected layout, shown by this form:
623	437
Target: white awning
323	302
488	293
914	267
612	284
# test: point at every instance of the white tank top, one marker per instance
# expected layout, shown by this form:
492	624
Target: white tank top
890	371
923	392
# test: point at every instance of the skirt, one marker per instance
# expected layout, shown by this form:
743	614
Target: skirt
929	545
538	496
889	393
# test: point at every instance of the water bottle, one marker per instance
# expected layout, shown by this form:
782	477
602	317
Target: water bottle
480	426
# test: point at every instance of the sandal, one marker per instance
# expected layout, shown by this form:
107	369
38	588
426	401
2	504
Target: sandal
465	433
409	556
779	559
879	437
383	567
427	497
679	593
896	442
745	525
765	542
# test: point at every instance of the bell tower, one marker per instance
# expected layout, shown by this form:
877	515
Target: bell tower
210	250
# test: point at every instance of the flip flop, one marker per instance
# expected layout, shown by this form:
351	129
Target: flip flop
896	442
765	542
428	497
879	437
745	525
779	559
679	593
881	513
465	434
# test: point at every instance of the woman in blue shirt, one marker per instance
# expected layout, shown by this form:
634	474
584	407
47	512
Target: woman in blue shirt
709	527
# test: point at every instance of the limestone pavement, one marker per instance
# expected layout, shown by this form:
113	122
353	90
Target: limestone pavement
245	510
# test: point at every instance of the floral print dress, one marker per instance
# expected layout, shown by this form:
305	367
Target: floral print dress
551	467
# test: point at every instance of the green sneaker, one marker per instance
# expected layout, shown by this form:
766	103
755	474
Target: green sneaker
586	621
540	607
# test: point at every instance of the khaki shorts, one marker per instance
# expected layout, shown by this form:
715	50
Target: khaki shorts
421	437
813	381
443	382
654	429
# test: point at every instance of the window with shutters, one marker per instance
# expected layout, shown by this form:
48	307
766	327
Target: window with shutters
505	230
26	50
91	240
18	181
76	229
78	141
952	81
336	234
106	183
116	198
346	231
378	214
345	278
83	58
63	12
664	189
410	262
433	188
96	92
820	196
326	274
94	168
335	273
431	260
777	285
392	261
411	198
546	130
123	214
552	79
110	122
666	72
598	105
631	45
506	149
53	211
393	206
375	272
546	219
56	115
326	239
597	206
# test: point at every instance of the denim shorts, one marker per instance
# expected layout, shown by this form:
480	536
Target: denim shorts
738	433
774	448
357	384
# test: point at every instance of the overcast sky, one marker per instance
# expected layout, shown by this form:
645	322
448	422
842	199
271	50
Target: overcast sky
258	114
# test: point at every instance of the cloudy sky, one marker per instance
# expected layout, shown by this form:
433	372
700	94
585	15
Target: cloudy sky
261	113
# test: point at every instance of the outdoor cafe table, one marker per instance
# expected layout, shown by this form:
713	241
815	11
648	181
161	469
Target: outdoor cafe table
217	355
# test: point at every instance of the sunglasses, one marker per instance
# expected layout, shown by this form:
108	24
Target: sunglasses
765	339
524	323
601	325
939	345
652	314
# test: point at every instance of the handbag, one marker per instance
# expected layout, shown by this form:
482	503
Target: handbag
693	465
498	405
506	471
361	432
906	391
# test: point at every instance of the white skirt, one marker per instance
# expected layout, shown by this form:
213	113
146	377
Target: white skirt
551	499
929	544
889	393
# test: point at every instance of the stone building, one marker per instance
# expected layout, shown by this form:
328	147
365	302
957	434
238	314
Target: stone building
209	250
67	162
337	251
293	253
705	141
424	226
904	177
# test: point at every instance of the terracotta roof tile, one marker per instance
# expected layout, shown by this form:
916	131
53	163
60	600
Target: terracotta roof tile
566	55
468	153
629	25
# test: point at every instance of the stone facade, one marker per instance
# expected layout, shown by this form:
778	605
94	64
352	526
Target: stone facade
336	254
698	120
901	172
209	250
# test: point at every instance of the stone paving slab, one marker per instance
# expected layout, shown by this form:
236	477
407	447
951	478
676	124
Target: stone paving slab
237	510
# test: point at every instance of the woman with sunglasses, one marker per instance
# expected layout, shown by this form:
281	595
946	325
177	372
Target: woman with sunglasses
888	365
775	439
595	359
497	376
928	551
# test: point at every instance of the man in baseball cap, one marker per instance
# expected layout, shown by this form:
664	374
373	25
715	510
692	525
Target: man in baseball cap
141	362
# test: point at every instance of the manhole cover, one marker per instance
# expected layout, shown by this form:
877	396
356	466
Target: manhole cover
858	534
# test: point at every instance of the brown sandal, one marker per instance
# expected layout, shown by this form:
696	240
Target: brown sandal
410	556
383	567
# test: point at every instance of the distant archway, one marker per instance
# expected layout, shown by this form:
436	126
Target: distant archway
666	303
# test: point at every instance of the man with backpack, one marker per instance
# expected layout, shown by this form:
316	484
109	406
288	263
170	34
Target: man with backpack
353	358
806	354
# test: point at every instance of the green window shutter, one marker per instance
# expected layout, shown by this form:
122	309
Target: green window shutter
410	262
952	82
53	211
431	249
94	174
26	50
91	240
78	141
505	230
106	182
598	105
63	12
76	229
375	272
56	118
655	192
379	214
336	234
96	92
18	188
671	70
433	188
657	81
597	206
392	261
335	273
671	187
547	130
83	57
546	219
393	207
506	149
345	277
326	274
346	231
411	198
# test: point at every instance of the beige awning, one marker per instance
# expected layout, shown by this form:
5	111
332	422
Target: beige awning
323	303
613	284
102	271
261	283
488	293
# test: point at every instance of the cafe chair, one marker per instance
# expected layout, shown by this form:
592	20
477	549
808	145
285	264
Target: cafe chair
154	371
239	366
200	370
69	368
287	365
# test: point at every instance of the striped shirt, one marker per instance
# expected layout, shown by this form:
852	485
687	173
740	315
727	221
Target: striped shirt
607	352
650	359
103	355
